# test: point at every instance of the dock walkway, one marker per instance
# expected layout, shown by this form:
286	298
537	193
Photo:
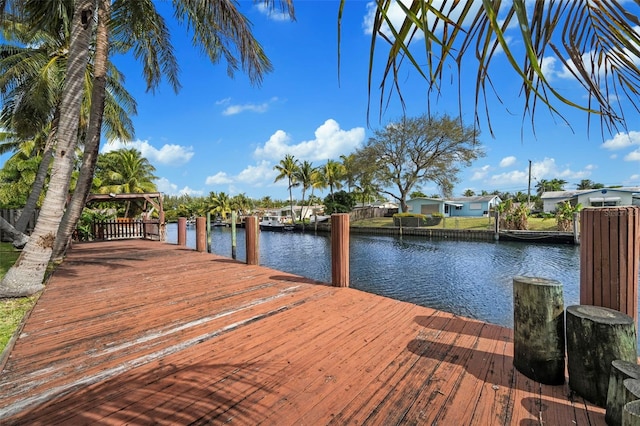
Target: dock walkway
138	332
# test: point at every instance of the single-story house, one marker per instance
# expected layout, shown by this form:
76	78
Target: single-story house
460	206
603	197
425	205
478	206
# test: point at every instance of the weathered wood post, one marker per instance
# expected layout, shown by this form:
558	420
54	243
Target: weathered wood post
597	336
252	235
182	231
609	252
576	228
201	234
496	226
631	414
208	232
233	235
340	250
538	329
618	394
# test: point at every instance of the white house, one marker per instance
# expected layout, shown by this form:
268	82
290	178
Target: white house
604	197
461	206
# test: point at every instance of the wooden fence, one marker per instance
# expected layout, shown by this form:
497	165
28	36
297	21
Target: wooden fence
370	212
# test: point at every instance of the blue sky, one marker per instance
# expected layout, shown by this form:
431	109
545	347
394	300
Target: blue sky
222	134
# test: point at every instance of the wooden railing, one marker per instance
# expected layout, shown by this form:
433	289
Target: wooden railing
126	229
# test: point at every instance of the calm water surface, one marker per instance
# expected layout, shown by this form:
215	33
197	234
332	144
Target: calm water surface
469	278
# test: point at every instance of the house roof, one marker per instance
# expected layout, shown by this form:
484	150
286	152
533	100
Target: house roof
575	193
474	199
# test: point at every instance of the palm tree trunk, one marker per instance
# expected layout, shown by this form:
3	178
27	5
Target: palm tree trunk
92	144
27	275
38	183
18	239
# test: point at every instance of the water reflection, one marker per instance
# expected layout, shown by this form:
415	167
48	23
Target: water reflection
469	278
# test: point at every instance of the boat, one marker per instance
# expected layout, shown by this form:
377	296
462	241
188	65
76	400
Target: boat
275	223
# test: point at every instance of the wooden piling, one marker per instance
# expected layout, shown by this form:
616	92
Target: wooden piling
631	414
597	336
252	238
618	394
538	329
182	231
340	250
609	252
201	234
233	235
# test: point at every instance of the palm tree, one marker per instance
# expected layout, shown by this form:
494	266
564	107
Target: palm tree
469	193
350	172
126	171
596	41
333	173
218	28
288	168
220	204
304	175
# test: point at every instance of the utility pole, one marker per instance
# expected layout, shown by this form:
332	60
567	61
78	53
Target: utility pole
529	188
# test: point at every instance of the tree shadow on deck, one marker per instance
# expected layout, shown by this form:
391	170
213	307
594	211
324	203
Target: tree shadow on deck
167	393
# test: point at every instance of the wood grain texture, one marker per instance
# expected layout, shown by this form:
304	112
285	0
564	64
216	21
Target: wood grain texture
140	332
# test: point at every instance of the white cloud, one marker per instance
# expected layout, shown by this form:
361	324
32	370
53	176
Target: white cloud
166	187
259	175
169	154
251	107
189	191
219	178
508	161
545	169
481	173
396	15
633	155
330	142
622	140
273	13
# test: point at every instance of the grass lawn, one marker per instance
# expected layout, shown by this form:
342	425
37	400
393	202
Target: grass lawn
480	223
11	310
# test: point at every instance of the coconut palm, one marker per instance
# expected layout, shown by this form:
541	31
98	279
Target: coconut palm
288	168
332	173
304	175
33	68
597	42
217	27
220	204
126	171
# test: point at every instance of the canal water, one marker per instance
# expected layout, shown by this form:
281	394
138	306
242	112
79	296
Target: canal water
469	278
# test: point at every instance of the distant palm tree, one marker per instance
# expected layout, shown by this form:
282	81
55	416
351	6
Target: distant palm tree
304	175
333	173
220	204
288	168
469	193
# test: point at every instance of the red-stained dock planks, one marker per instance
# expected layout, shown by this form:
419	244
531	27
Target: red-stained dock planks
139	332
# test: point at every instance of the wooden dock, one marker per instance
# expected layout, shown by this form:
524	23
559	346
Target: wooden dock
139	332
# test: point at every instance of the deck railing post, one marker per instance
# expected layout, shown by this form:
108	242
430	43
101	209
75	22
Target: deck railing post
201	234
340	250
252	235
609	252
233	234
182	231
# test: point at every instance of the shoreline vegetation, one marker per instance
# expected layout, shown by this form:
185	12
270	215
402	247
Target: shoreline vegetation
12	311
